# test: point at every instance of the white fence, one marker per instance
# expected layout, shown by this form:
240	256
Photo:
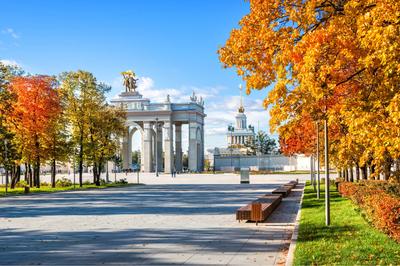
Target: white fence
262	162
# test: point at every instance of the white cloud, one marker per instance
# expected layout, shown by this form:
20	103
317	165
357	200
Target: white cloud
9	62
10	32
148	90
147	87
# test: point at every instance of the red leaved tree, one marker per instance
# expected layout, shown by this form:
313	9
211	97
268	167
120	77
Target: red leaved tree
36	107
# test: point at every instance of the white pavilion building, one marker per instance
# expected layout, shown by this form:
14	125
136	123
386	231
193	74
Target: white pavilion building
241	134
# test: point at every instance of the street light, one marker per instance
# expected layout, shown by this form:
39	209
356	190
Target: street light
231	129
318	165
156	147
327	196
74	167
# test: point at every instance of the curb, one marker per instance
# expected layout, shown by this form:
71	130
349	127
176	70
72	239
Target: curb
293	241
68	191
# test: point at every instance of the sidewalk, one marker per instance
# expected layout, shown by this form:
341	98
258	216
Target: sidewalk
191	224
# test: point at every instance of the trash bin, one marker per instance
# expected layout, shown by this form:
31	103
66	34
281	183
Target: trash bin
244	175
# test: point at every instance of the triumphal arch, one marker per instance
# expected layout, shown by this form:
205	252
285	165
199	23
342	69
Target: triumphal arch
160	125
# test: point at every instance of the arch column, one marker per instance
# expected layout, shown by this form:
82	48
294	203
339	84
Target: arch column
129	152
159	133
169	149
147	148
196	154
178	147
125	149
192	147
202	149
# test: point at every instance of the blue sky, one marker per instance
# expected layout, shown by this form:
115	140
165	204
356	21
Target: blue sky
171	45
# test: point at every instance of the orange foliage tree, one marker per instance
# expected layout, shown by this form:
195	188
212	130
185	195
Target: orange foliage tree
336	61
36	107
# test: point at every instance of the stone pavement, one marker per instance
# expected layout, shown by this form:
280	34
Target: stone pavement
174	222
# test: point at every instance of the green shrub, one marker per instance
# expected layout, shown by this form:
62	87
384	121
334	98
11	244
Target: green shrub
122	181
87	182
45	184
22	183
63	182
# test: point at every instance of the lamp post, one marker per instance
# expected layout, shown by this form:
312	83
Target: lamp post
156	147
115	169
107	176
73	163
318	164
327	196
231	129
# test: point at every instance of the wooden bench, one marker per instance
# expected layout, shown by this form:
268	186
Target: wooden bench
289	185
284	191
292	184
259	209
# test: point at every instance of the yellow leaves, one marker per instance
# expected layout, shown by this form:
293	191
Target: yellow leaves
343	57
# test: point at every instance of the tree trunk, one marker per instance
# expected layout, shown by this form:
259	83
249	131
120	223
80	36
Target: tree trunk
80	159
364	172
30	176
357	172
397	170
34	179
100	166
387	169
346	175
340	173
53	173
26	173
95	173
37	161
13	177
351	174
36	172
372	172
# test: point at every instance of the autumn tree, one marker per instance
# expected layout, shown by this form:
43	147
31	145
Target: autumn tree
10	154
58	144
334	61
35	108
106	126
84	96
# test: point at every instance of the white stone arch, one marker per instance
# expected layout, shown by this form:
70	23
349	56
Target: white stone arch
199	141
133	127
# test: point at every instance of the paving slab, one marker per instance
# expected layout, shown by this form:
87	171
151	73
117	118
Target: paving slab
188	220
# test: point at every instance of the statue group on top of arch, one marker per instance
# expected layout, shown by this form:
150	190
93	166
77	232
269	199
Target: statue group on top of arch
130	81
196	99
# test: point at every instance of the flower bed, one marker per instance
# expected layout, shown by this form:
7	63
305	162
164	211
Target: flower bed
381	207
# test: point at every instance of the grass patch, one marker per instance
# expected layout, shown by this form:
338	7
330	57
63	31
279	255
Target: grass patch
268	172
350	240
49	189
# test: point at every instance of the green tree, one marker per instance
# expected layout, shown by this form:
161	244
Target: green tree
261	144
83	96
106	126
136	157
58	142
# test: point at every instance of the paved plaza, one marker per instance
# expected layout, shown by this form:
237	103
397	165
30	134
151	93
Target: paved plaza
189	220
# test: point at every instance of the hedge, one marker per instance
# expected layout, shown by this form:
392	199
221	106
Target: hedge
381	207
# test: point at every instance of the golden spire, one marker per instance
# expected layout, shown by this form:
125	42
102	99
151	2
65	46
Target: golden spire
241	108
